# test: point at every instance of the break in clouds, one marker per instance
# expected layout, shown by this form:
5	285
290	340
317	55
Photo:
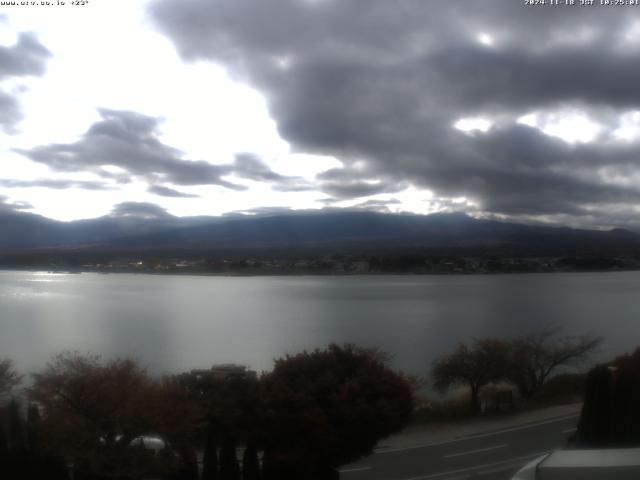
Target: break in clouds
380	85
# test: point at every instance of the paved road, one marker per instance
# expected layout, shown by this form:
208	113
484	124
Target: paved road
493	455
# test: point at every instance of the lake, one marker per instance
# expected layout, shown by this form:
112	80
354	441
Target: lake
173	323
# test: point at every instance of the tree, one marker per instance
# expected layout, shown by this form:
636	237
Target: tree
329	407
9	377
229	467
537	355
610	417
210	457
626	425
21	455
250	463
17	432
92	409
176	417
476	366
231	405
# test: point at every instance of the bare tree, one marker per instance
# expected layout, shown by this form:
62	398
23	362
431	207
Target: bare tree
92	408
9	377
476	366
535	356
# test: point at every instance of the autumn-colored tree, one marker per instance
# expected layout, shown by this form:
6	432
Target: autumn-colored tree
537	355
485	361
93	409
329	407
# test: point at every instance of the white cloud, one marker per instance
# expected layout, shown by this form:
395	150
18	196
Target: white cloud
472	124
628	127
569	125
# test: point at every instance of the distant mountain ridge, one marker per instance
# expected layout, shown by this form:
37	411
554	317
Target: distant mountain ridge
322	231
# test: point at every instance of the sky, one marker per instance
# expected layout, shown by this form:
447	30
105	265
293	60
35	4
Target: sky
497	108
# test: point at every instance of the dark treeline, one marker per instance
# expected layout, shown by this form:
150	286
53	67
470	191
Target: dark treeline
535	254
206	262
97	420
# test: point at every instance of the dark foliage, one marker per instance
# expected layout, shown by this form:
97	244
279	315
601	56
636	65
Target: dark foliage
314	412
562	388
229	405
21	456
610	415
229	467
210	458
250	463
93	410
9	377
330	407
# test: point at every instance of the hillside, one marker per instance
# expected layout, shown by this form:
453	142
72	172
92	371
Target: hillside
319	232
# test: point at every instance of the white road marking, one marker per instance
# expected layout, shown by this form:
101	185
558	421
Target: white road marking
476	451
569	430
477	467
359	469
502	468
480	435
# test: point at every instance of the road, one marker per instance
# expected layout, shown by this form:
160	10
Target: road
493	455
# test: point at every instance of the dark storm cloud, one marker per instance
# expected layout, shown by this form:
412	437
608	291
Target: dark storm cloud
169	192
128	140
139	210
27	57
381	84
343	183
355	189
54	184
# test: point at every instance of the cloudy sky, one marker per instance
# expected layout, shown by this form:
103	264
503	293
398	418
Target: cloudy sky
204	107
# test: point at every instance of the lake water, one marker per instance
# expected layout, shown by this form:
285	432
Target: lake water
175	323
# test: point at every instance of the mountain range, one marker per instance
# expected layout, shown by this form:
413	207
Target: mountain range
319	231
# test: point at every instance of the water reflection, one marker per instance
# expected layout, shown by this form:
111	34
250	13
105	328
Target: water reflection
175	323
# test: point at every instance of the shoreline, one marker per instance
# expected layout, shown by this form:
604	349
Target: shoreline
196	273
